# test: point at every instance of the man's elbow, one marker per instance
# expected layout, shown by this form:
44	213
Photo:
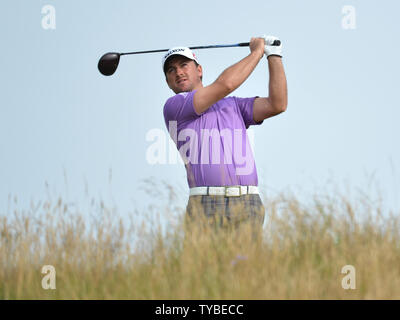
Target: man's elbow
280	107
228	87
279	103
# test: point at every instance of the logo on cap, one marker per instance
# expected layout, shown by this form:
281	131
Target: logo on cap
172	52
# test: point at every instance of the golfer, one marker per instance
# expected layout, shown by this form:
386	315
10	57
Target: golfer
209	130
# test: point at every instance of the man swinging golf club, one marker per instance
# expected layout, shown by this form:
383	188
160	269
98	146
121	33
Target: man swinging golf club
209	130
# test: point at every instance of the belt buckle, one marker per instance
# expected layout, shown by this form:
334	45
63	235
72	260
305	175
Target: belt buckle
226	191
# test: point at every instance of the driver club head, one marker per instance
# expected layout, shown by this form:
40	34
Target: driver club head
108	63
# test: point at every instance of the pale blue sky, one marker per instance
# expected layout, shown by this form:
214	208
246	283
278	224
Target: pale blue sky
60	115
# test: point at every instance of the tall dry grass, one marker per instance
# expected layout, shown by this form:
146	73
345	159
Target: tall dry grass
300	256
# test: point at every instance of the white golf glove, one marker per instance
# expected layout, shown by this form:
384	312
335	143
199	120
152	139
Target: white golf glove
269	49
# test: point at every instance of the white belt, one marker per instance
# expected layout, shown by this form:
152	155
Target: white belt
227	191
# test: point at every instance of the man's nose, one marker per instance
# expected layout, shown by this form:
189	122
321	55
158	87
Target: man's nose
179	71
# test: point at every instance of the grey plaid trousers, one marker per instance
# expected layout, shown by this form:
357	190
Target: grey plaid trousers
227	211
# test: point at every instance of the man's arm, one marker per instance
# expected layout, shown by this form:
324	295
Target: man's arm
277	101
230	79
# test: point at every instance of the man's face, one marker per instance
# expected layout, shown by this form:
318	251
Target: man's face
182	74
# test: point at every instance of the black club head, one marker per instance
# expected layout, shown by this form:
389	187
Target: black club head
108	63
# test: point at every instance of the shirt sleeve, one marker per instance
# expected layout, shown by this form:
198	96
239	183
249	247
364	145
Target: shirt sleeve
180	108
245	106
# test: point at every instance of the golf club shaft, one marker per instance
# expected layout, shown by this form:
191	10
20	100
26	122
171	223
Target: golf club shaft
242	44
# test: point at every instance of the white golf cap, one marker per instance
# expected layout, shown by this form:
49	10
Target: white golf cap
182	51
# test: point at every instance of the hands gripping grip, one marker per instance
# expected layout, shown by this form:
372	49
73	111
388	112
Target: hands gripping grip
246	44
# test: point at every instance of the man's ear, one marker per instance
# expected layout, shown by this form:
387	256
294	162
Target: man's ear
200	69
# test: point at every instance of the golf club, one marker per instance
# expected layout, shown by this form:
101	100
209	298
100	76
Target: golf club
108	63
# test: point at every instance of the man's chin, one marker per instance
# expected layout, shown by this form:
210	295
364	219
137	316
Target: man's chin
182	90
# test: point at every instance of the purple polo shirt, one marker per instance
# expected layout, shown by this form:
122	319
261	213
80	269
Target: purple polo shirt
213	145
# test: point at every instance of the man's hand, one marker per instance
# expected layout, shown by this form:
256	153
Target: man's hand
271	50
257	46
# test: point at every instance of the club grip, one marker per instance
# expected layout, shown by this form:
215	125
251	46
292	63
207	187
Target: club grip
246	44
